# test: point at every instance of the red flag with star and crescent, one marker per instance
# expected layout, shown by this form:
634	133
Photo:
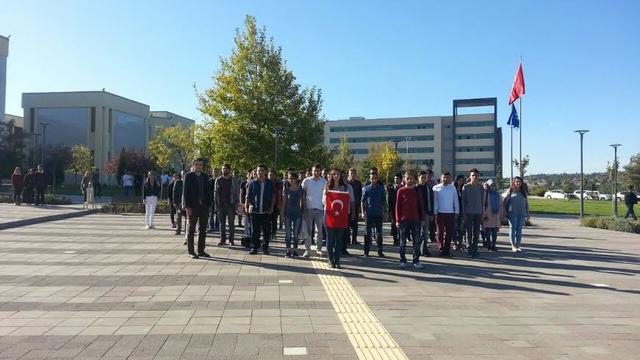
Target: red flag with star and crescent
336	209
518	86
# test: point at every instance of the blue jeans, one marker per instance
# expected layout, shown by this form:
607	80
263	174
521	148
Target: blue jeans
516	222
410	228
291	231
630	213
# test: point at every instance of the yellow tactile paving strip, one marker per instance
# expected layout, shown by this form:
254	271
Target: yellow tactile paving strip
367	335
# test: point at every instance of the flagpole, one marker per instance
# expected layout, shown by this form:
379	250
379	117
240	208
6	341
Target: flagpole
520	130
511	158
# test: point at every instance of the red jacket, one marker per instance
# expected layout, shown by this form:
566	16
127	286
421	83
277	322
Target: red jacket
409	205
17	181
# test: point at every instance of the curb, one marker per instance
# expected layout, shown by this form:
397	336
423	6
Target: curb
43	219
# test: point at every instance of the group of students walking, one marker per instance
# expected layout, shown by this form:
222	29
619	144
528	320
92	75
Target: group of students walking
322	207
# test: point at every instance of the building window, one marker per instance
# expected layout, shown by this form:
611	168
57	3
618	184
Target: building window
32	116
475	161
352	140
93	119
475	123
475	136
475	148
381	127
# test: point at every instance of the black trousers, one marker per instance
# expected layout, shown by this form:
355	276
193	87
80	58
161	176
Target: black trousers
472	223
274	221
172	214
17	196
260	224
40	195
198	216
394	228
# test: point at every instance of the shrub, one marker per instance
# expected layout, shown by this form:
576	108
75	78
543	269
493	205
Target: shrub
609	223
136	208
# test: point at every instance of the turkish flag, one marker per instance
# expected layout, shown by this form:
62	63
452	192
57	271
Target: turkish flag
336	209
518	86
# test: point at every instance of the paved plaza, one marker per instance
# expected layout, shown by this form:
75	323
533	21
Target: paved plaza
101	287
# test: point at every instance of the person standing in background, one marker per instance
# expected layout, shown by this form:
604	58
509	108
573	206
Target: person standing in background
446	208
29	186
17	182
472	195
41	185
392	192
150	193
176	200
516	207
225	197
373	212
196	199
356	185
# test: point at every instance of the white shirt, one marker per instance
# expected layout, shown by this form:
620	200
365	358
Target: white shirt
313	190
445	199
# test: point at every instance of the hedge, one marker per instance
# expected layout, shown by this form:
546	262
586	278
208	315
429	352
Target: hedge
610	223
48	199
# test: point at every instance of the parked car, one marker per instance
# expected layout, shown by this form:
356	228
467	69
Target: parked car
596	195
555	194
587	194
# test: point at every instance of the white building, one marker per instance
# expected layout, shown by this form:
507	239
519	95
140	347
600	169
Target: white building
454	143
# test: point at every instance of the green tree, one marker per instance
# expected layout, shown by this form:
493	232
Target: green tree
631	174
254	95
386	159
522	168
173	146
81	159
12	144
343	158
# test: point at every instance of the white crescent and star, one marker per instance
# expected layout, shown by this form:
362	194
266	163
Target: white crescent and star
337	201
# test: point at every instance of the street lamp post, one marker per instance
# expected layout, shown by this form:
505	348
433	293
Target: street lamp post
615	178
581	132
33	150
406	157
44	129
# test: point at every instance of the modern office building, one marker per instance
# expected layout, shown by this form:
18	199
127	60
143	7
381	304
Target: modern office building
4	54
455	143
104	122
159	120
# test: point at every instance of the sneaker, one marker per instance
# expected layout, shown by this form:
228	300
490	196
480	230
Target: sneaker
173	226
381	254
221	243
152	227
193	256
519	249
333	266
514	249
204	254
295	254
176	233
288	254
265	251
417	265
319	253
147	227
403	265
306	254
253	252
338	266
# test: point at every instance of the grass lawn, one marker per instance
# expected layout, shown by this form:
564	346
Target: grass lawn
572	207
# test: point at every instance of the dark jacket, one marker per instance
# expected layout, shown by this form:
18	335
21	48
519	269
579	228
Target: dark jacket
84	183
176	193
151	189
392	193
30	181
630	199
426	192
190	193
356	185
268	196
170	191
217	194
41	180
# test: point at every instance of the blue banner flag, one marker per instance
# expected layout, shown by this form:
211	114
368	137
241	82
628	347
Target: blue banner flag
514	121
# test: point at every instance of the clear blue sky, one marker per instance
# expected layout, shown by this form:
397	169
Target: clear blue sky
370	58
